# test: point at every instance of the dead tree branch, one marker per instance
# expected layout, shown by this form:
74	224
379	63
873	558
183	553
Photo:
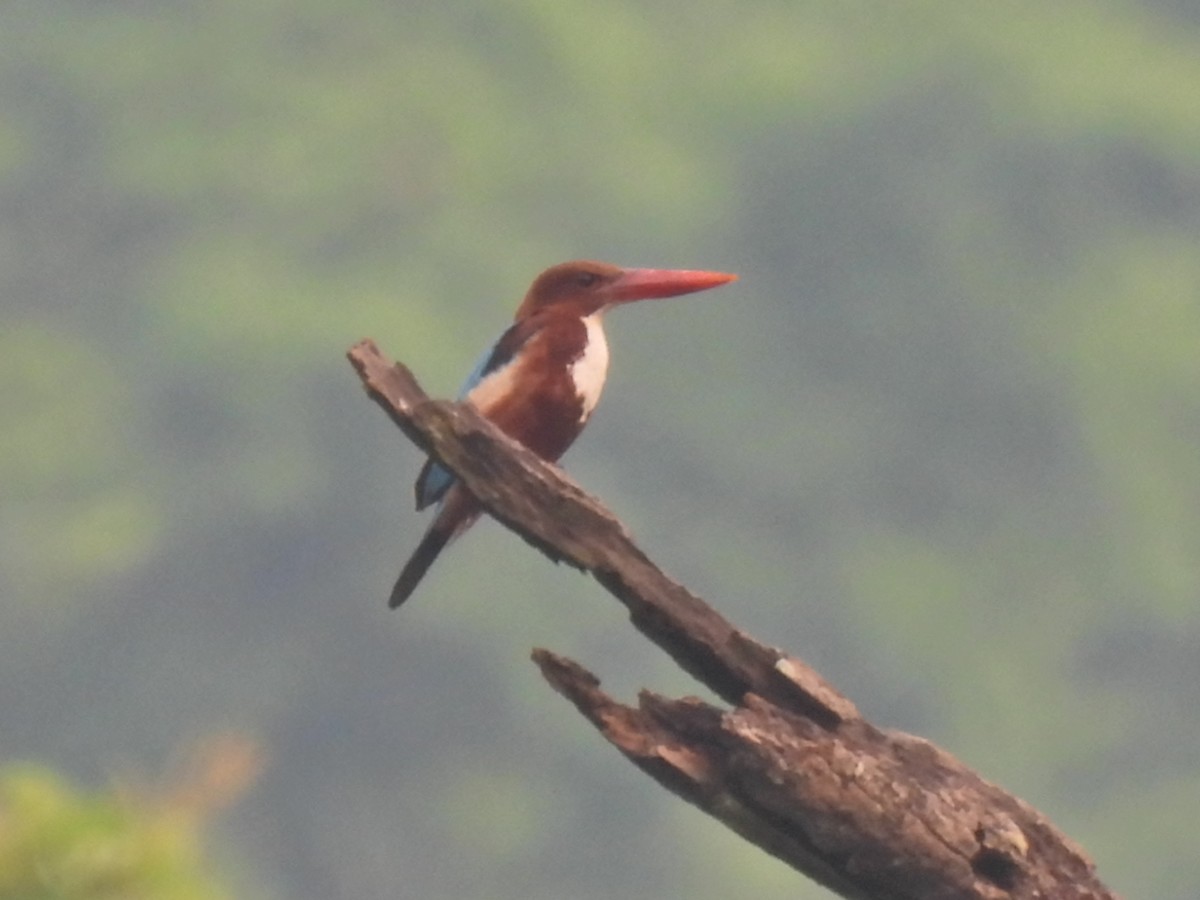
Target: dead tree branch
792	766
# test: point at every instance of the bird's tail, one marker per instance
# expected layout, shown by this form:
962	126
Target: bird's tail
458	513
434	541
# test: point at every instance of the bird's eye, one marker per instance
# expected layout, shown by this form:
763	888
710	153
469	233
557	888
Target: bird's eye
586	279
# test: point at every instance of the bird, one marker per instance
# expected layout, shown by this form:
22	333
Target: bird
540	381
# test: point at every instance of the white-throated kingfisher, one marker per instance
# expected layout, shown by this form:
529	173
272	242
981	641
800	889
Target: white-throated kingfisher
541	380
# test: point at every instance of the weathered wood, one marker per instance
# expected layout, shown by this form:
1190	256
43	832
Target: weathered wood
791	766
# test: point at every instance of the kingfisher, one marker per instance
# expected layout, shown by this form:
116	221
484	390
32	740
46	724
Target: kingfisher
540	382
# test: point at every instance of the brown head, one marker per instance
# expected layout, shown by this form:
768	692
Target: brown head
584	286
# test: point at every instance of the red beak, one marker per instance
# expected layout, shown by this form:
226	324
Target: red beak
646	284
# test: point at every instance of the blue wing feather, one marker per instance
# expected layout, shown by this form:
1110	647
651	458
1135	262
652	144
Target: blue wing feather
484	366
432	484
434	480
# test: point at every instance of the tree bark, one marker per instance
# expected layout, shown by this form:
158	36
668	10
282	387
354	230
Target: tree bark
791	766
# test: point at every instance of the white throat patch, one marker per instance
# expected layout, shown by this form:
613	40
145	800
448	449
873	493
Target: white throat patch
589	371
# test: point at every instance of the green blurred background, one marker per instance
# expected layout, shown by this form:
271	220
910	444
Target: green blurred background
942	440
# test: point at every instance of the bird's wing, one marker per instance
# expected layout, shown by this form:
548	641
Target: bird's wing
434	480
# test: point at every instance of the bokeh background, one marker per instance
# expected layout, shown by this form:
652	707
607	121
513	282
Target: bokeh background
942	440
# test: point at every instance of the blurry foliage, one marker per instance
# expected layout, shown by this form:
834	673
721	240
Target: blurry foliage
941	438
60	843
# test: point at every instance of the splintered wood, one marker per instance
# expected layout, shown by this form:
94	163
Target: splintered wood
790	765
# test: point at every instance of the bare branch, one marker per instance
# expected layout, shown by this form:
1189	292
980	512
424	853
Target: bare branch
792	766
